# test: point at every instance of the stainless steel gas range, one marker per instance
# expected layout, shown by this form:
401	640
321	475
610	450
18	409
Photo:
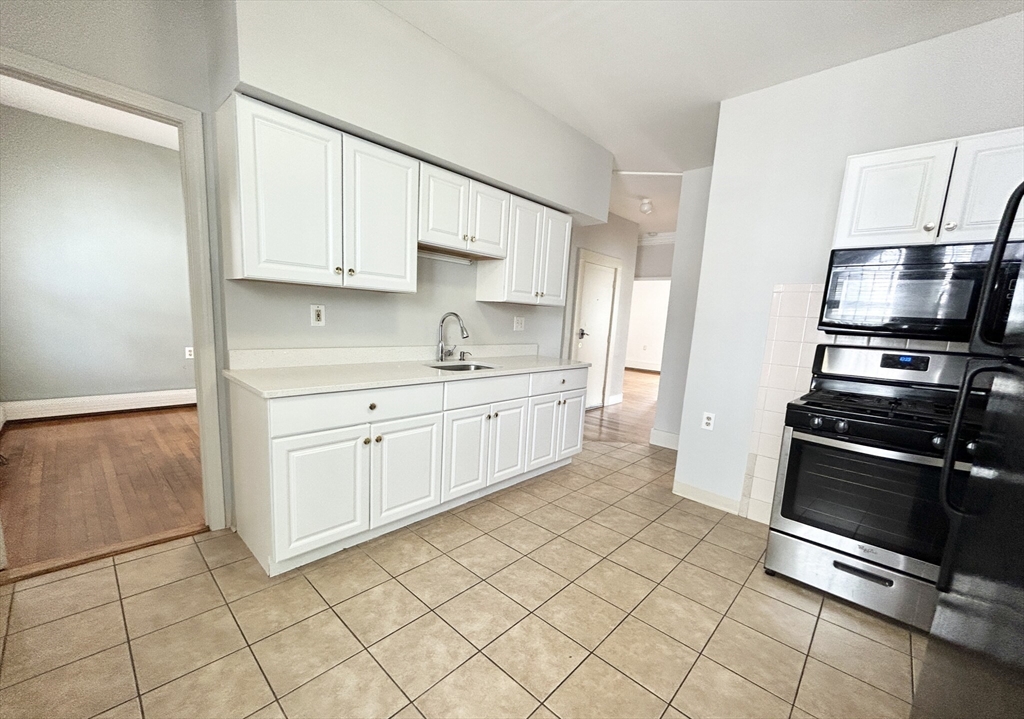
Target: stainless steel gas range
857	509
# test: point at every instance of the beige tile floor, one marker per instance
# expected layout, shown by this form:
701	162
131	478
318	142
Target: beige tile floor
591	591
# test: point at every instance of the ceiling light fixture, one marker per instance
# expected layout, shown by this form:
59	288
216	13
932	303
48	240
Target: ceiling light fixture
646	206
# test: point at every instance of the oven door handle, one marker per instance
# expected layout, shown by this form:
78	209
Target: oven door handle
876	452
979	344
975	368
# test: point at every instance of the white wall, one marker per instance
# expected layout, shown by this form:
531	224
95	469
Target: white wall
682	304
361	65
654	259
779	160
647	319
616	239
93	263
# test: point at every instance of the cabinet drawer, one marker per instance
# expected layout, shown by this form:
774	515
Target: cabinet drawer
291	415
467	393
558	381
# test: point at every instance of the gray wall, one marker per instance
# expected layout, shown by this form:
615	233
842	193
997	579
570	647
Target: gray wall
272	315
617	239
654	262
93	263
779	161
682	303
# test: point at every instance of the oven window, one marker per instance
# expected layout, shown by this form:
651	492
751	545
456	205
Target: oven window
882	502
877	297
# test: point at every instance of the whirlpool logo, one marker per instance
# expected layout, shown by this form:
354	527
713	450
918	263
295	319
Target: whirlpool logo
866	549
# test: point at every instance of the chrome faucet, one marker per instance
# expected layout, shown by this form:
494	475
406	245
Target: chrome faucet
442	352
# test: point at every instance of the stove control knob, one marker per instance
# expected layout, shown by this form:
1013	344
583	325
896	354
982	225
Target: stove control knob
939	441
816	422
972	447
842	426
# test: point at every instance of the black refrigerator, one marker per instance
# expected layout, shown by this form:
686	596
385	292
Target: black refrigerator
974	662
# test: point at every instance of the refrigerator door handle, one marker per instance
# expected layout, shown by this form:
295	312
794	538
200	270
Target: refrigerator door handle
979	344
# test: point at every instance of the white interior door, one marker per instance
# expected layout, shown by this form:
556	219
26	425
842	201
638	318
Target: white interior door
595	303
986	170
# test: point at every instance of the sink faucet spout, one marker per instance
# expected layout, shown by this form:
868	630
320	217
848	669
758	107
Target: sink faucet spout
442	352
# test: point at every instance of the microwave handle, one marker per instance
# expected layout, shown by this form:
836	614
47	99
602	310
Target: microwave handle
980	345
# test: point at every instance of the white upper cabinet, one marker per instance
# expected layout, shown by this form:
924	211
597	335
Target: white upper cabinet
444	208
488	220
894	197
534	270
555	258
380	216
282	200
951	191
987	169
460	214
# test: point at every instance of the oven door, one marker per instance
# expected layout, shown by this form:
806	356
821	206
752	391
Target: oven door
875	504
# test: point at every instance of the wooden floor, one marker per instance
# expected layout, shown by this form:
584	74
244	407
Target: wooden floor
630	421
80	487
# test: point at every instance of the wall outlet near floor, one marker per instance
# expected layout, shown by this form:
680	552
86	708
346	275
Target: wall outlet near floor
518	324
316	315
707	421
190	353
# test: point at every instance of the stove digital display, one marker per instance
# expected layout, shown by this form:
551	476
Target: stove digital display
917	363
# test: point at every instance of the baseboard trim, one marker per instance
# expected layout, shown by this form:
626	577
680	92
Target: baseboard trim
613	399
645	366
705	497
661	438
94	404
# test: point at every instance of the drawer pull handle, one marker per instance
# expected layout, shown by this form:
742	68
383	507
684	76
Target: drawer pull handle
563	381
862	574
373	405
366	441
378	439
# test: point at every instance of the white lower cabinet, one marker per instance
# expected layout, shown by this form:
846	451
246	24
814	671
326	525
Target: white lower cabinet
542	444
320	482
483	445
570	422
405	469
509	424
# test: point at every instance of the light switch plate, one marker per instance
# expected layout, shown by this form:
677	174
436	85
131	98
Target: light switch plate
518	324
317	315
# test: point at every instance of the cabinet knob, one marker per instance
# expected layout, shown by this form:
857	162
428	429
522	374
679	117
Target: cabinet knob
929	226
473	238
488	416
495	415
351	272
536	294
465	238
373	405
366	441
378	439
338	270
949	226
541	294
563	381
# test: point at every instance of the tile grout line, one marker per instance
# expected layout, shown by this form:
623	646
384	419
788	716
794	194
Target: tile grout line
128	643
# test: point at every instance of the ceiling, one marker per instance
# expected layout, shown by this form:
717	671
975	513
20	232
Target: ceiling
663	192
44	101
644	79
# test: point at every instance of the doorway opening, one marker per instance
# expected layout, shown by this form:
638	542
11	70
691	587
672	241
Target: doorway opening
108	387
598	280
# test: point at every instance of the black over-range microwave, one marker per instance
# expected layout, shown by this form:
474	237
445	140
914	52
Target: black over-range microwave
917	292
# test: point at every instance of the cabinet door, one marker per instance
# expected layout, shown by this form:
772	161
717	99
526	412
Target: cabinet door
289	185
320	484
380	202
554	266
508	440
488	220
986	170
542	437
524	250
466	439
894	197
570	423
405	473
444	208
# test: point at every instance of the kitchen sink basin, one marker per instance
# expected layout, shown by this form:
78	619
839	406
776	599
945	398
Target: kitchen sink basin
461	366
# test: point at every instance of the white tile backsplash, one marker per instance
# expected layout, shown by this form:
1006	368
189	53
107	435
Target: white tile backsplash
889	342
759	511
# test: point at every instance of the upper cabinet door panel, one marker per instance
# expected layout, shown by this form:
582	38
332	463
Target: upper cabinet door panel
987	169
555	258
894	197
524	250
289	182
381	199
444	208
488	220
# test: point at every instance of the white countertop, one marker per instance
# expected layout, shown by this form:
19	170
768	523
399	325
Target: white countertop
317	379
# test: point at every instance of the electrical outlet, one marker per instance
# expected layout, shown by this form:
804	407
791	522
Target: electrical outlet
518	324
316	315
707	421
190	353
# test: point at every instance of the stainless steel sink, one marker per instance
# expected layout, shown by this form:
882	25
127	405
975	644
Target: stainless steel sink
461	366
